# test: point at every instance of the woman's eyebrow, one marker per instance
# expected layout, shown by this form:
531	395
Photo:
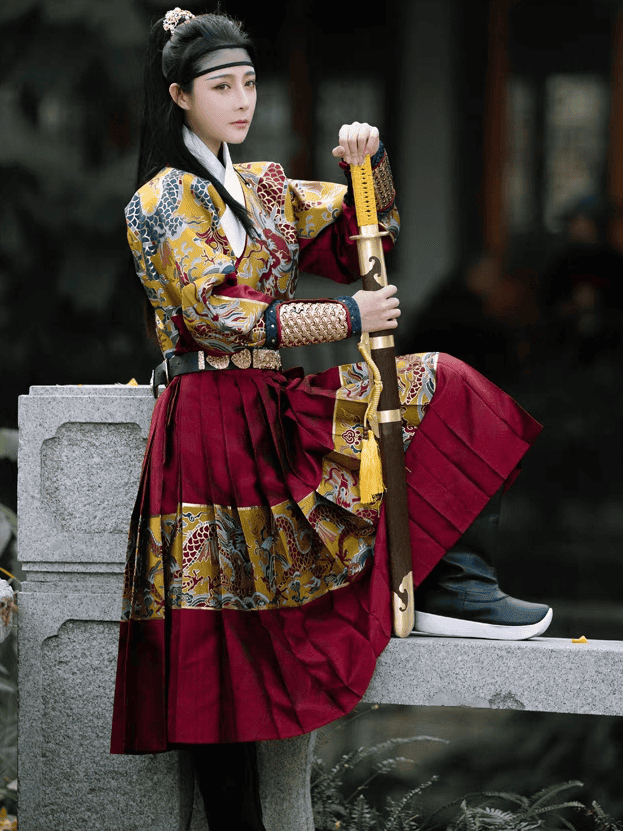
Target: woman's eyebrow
230	75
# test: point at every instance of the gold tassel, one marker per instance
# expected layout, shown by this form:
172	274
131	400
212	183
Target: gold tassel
370	470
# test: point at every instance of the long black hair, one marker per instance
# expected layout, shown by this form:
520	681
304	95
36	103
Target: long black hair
176	58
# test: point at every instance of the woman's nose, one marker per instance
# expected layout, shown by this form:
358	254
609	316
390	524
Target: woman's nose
243	99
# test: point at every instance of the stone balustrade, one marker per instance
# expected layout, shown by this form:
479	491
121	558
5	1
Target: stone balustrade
79	461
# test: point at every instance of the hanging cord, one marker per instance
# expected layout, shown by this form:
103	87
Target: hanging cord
371	485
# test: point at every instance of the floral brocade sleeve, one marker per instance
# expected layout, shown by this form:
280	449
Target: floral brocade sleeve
188	272
326	221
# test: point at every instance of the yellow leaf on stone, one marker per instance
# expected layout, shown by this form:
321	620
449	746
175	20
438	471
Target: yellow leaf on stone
579	640
132	383
3	813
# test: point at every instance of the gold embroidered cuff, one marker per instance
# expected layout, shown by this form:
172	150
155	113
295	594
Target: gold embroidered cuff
384	191
302	324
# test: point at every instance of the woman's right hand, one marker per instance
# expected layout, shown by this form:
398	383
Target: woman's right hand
378	309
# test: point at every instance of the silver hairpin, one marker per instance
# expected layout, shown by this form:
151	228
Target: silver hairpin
175	17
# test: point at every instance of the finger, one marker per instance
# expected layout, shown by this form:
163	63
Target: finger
353	153
388	290
360	142
365	133
348	140
343	139
372	144
339	151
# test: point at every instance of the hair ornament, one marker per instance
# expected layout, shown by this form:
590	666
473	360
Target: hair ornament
174	17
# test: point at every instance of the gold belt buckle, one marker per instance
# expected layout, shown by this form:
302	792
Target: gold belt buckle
266	359
244	359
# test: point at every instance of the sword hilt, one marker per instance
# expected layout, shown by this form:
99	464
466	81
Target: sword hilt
363	189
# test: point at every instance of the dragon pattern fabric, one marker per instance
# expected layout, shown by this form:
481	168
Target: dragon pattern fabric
279	555
198	288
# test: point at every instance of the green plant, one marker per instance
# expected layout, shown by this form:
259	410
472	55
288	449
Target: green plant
532	813
340	806
602	822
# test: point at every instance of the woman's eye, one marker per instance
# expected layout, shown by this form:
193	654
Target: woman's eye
221	87
252	83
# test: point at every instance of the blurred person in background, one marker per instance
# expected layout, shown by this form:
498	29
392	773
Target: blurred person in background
583	286
482	314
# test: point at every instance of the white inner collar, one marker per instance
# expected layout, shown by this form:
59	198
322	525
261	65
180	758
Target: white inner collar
227	176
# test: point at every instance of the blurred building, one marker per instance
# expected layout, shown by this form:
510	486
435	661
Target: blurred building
497	115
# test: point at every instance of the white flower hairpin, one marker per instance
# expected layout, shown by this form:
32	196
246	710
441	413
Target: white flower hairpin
175	17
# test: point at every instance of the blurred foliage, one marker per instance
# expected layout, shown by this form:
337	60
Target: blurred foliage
337	805
70	310
514	753
534	750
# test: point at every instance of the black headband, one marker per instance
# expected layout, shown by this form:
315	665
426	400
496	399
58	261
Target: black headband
223	66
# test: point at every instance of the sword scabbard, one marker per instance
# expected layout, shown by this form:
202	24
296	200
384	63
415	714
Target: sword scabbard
374	277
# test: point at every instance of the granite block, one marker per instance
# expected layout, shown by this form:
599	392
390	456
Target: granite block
541	674
79	461
285	771
89	476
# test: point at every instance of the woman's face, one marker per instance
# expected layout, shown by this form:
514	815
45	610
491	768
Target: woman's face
220	104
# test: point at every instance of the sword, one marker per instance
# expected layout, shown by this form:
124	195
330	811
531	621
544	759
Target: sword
374	277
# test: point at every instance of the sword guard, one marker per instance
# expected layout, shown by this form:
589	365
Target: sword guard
371	236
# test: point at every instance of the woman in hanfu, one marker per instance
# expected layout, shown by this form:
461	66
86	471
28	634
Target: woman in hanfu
256	596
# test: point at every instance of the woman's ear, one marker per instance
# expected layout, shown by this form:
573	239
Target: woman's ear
179	96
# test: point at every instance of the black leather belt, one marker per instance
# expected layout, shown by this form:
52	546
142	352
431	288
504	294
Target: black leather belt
199	362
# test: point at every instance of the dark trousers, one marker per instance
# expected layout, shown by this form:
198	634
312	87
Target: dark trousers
228	781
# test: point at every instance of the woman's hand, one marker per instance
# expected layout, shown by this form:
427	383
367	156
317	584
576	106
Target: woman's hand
356	141
378	309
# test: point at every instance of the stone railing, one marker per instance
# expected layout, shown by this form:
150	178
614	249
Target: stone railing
80	457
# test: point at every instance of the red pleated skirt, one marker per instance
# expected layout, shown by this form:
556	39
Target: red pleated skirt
256	598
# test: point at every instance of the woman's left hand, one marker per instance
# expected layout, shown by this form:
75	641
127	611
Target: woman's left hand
356	141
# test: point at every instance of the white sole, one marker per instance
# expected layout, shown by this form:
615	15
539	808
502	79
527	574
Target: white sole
451	627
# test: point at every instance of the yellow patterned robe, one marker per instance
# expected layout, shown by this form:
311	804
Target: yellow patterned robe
249	506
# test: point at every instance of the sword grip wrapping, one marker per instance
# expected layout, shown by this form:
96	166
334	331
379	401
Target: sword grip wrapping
363	190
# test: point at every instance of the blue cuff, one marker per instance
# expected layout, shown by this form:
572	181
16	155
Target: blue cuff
353	311
378	155
270	319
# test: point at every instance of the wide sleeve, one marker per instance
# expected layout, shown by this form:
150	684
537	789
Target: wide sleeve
190	281
325	219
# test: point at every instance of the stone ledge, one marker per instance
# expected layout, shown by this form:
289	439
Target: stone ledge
542	674
73	466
